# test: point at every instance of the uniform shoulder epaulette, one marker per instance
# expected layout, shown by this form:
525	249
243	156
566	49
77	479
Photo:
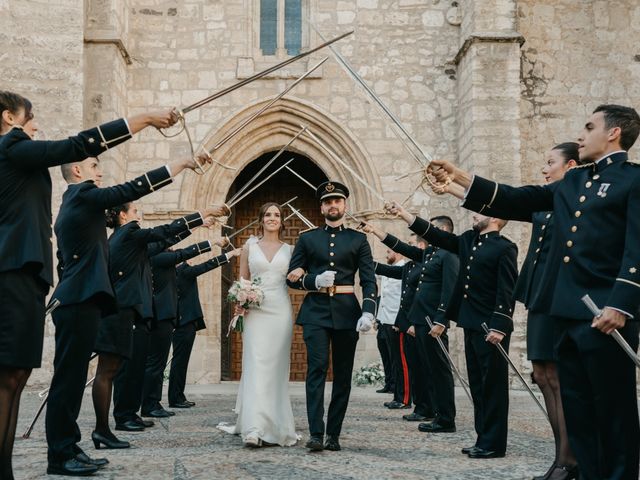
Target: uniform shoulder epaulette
575	167
311	229
507	239
356	230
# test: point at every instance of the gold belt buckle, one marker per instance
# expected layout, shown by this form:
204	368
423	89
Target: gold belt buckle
331	290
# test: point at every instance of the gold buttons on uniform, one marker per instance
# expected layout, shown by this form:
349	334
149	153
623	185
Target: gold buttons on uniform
569	244
537	250
596	177
120	273
91	140
543	227
331	254
578	213
466	287
332	244
333	235
139	183
331	264
474	249
465	295
574	229
632	270
539	239
548	215
582	198
75	257
566	259
588	184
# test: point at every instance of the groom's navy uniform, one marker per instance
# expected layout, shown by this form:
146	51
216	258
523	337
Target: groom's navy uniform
329	315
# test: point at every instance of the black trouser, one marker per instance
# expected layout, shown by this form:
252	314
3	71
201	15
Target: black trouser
399	368
183	338
383	348
418	378
343	348
76	331
128	382
158	354
440	375
489	385
598	389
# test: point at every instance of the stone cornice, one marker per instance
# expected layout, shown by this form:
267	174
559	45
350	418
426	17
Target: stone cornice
487	37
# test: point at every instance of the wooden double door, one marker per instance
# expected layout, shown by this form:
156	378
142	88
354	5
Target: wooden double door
282	187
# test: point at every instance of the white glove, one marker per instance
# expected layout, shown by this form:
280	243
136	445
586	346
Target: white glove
325	279
365	322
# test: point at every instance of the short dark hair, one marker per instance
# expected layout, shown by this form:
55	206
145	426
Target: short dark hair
625	118
14	102
419	238
444	221
65	168
569	151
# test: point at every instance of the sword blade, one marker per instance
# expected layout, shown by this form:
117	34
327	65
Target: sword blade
267	106
395	121
243	196
299	214
249	225
333	155
454	369
617	336
259	75
505	355
271	160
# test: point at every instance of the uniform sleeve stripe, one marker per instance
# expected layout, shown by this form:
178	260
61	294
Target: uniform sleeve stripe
425	232
104	140
148	181
628	281
506	316
495	192
371	300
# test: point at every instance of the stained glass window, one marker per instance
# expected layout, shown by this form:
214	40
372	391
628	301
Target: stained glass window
268	26
293	26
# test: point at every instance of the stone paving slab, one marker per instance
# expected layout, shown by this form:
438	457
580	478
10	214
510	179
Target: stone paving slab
376	442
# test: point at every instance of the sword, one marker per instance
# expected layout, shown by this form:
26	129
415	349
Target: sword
246	122
333	155
45	394
249	225
454	369
243	196
304	180
55	303
271	160
299	214
615	334
505	355
396	123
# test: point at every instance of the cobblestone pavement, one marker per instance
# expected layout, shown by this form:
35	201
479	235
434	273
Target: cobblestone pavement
376	444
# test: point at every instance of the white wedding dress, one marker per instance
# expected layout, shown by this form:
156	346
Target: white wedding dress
263	404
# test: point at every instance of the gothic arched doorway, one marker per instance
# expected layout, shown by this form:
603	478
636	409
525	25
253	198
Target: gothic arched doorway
280	188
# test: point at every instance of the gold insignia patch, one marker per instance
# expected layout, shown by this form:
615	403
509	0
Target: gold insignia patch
330	187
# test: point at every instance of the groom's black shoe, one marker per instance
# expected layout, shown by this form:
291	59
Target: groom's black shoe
332	443
315	443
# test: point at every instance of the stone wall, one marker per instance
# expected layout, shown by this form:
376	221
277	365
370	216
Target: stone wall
455	74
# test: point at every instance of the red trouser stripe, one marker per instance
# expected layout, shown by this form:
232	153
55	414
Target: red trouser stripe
405	371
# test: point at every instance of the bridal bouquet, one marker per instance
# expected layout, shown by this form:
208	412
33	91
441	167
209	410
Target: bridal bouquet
248	294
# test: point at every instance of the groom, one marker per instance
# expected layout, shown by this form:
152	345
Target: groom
324	263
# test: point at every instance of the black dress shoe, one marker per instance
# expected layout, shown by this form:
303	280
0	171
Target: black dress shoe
332	443
315	443
144	423
109	440
384	390
158	413
435	427
72	468
96	462
414	417
398	406
130	426
482	453
184	404
468	450
193	404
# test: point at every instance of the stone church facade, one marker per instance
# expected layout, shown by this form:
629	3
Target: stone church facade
490	84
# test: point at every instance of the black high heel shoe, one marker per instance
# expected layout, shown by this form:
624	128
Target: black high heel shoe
564	472
109	441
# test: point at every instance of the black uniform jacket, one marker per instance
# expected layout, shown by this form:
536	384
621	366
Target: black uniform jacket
83	250
345	251
409	273
438	276
596	231
25	191
128	250
165	289
189	308
486	279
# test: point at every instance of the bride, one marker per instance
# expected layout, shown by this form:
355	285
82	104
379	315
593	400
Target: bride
263	405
